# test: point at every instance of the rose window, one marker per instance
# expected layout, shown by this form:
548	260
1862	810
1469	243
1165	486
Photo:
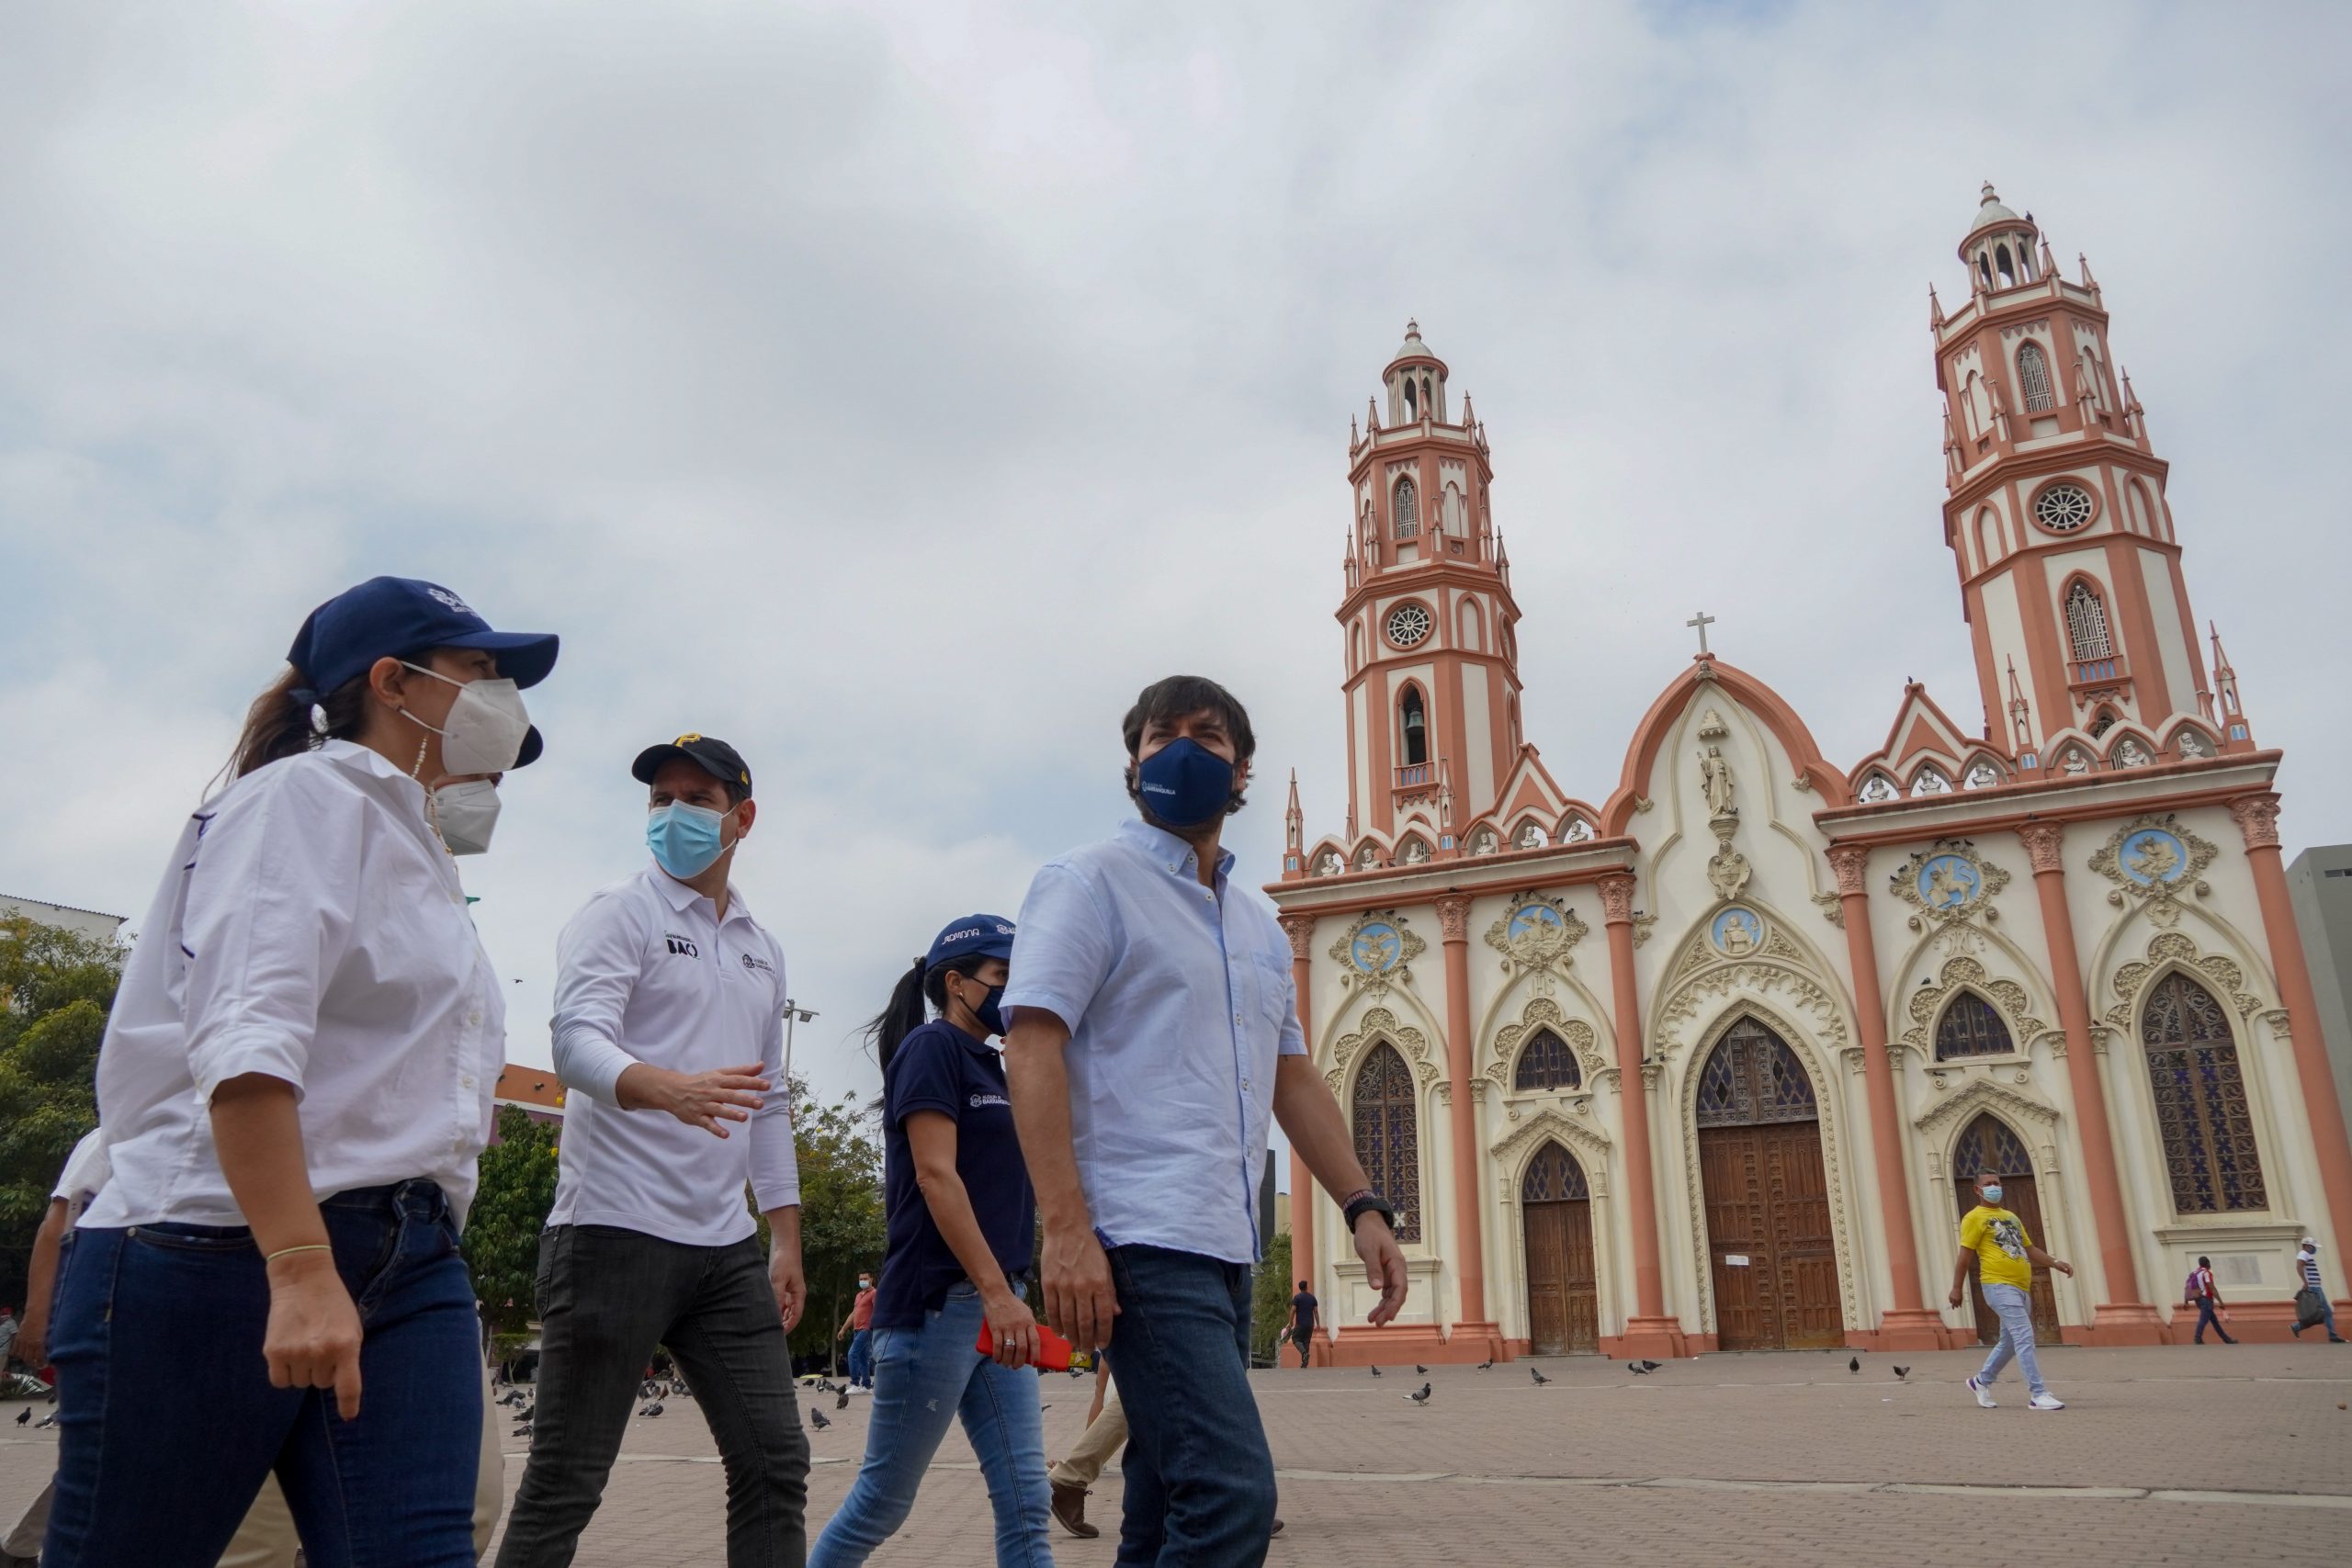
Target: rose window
2062	508
1407	624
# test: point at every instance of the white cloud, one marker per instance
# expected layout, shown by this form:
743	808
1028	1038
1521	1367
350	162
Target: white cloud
895	394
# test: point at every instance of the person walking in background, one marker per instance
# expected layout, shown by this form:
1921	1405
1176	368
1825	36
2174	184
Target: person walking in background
669	1025
2307	1267
1073	1478
960	1223
1155	1033
2206	1299
1302	1321
1994	1241
859	1326
295	1083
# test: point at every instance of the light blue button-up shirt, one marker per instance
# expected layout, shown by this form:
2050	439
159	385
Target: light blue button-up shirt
1179	999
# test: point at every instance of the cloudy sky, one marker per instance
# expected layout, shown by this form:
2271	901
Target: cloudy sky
895	390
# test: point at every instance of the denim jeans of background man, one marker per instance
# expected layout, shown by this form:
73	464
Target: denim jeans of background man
159	1334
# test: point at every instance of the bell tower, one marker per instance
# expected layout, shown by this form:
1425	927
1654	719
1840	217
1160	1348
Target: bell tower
2055	512
1428	619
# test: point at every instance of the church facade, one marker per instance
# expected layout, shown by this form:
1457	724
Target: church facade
1706	1057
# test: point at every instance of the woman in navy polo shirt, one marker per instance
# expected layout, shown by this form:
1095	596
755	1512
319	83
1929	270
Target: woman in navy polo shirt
961	1220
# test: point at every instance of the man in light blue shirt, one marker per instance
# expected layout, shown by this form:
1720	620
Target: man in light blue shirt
1154	1032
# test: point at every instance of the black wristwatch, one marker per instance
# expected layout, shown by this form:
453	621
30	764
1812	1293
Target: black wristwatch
1368	1202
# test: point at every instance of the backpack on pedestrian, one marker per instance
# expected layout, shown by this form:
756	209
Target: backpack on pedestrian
2309	1307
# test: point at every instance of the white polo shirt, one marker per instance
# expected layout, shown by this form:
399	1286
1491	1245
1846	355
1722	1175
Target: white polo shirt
84	1176
310	927
646	972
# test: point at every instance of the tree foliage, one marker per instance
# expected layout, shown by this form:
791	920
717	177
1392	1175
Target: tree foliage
841	1219
1270	1300
502	1241
56	988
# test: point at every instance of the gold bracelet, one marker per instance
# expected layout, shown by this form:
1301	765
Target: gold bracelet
307	1246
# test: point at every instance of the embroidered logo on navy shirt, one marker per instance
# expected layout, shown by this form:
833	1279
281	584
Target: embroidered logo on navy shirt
980	1099
683	947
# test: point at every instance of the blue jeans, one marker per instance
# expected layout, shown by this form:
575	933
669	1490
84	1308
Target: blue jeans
860	1357
2205	1319
922	1378
2015	1309
1200	1480
168	1422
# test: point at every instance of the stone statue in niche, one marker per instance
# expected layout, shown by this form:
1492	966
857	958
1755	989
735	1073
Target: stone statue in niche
1930	782
1416	852
1531	836
1482	842
1367	858
1327	863
1983	775
1715	781
1877	788
2131	754
2076	762
2193	744
1578	832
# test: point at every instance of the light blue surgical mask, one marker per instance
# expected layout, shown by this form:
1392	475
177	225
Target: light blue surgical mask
684	839
1993	1193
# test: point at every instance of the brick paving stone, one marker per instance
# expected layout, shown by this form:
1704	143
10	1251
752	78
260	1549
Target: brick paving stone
1728	1459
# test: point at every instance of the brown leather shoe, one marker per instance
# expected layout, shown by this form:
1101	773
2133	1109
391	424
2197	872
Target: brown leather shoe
1069	1507
1275	1531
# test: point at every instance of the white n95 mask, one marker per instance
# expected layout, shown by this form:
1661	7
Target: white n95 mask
465	815
484	730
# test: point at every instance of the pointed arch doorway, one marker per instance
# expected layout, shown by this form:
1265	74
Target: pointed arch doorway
1989	1143
1562	1290
1775	1259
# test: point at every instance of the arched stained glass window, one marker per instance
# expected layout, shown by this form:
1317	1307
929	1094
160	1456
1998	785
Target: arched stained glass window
1545	1062
1388	1133
1989	1145
1553	1177
2033	374
2087	622
1753	1076
1970	1027
2202	1117
1407	509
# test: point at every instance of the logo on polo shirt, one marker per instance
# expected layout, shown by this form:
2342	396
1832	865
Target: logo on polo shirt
683	947
752	961
980	1099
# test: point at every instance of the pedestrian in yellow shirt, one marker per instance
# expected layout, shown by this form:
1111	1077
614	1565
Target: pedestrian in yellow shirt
1994	1239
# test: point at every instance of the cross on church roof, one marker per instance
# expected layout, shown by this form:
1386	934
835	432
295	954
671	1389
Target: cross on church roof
1702	621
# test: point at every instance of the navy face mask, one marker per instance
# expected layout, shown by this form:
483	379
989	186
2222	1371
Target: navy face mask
1184	784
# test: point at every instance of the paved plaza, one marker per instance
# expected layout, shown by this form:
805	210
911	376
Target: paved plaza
2219	1455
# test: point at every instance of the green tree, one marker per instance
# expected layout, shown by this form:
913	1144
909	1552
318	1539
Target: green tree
56	988
1270	1300
841	1219
502	1242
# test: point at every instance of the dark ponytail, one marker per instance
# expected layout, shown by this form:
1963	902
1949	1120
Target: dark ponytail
279	724
906	1011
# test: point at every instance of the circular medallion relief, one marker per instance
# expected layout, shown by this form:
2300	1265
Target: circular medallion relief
1407	624
1738	932
2063	508
1376	948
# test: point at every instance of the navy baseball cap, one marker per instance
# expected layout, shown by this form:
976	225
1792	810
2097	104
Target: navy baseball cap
974	936
403	617
709	753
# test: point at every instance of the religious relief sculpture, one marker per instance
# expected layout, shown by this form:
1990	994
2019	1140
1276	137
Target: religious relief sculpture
1377	951
1727	869
1417	853
1484	842
1536	934
1876	788
2194	745
1715	781
1367	858
1736	932
2154	859
2076	762
2130	753
1946	882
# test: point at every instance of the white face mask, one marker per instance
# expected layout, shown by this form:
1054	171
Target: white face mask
484	730
466	814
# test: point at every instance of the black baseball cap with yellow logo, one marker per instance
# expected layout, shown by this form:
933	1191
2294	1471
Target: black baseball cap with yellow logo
712	755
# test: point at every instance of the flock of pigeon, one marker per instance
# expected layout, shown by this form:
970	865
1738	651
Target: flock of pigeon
1638	1369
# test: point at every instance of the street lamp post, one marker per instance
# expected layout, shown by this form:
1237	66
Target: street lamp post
792	1012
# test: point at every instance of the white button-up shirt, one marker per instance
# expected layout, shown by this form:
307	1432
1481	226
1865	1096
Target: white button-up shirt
310	928
648	972
83	1178
1178	1001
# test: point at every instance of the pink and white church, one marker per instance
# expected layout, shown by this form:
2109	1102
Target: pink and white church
1704	1057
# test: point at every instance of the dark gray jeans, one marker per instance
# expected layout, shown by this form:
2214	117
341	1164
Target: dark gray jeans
607	1298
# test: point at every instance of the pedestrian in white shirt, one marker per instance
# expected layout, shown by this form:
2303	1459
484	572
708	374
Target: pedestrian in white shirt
669	1030
295	1084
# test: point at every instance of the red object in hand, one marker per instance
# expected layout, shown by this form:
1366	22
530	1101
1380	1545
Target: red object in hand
1053	1352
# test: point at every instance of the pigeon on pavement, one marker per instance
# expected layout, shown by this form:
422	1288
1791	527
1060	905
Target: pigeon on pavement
24	1416
841	1400
1422	1397
1488	1365
817	1419
1375	1371
1638	1370
1540	1379
1651	1366
1902	1372
653	1409
46	1421
1853	1363
1418	1368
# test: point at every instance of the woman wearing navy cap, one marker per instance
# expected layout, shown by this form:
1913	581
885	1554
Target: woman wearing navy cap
961	1222
294	1086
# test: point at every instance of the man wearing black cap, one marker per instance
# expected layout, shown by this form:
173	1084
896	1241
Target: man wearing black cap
670	999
